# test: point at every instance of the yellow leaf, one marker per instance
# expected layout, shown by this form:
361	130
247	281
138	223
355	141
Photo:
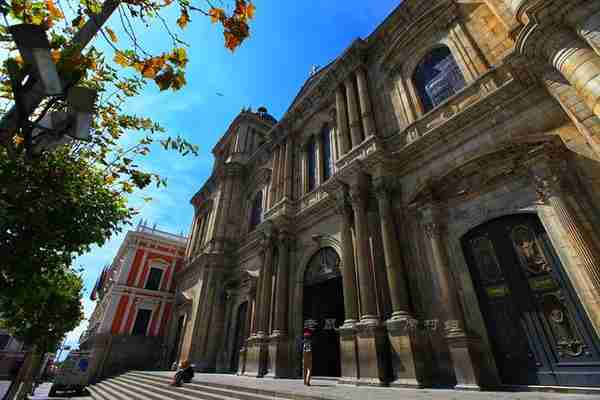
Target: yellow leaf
17	140
52	10
112	35
250	10
179	56
231	40
55	56
121	59
109	179
216	14
183	19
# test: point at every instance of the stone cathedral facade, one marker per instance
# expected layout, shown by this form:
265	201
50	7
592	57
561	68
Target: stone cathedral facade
429	203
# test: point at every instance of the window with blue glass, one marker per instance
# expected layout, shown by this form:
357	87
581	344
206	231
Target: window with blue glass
437	77
256	215
326	143
312	164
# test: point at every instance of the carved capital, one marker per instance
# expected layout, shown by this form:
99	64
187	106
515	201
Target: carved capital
358	197
385	186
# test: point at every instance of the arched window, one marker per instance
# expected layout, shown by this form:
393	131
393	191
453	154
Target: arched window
437	77
257	211
311	164
326	143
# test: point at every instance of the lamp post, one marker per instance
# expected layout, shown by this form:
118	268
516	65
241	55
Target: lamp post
53	128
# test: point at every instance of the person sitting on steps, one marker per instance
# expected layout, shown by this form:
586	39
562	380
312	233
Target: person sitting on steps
184	374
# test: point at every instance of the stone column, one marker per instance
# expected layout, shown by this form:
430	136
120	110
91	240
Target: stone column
353	112
348	344
275	177
371	340
289	169
359	198
365	103
254	342
278	341
464	350
584	272
342	121
577	62
409	368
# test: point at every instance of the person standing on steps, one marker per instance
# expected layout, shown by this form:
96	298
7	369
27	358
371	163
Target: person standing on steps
185	373
307	358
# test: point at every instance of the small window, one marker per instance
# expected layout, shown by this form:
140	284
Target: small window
312	164
437	77
154	278
256	215
327	161
141	322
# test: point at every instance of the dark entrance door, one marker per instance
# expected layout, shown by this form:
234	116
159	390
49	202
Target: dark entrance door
324	308
539	332
240	330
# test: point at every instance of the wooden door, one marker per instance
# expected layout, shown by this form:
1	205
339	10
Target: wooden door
538	329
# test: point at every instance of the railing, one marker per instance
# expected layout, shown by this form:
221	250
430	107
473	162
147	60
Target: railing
157	232
453	106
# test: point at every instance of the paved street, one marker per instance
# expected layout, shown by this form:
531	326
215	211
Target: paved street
41	392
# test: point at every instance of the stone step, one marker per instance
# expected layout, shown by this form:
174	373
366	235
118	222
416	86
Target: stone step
120	392
204	388
156	392
236	388
99	393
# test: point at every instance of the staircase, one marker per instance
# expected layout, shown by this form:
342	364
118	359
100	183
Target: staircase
141	385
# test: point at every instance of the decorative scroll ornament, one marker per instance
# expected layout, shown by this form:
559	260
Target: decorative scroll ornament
324	265
530	254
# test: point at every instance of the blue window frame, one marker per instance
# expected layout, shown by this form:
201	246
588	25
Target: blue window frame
437	77
327	160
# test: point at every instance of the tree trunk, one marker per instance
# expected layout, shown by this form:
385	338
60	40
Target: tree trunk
21	386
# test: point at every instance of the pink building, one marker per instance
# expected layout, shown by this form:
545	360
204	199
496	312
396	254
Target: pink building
135	298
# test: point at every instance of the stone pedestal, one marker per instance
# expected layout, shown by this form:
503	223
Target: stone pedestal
256	356
372	346
408	364
278	356
348	354
465	353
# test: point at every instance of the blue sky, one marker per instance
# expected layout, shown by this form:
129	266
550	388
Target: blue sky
287	38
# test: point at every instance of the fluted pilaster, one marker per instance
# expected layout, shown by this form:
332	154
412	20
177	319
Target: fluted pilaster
359	199
342	121
267	287
348	265
365	103
280	323
446	291
393	262
353	111
585	271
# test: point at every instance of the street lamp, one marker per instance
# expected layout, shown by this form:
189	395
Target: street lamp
34	47
82	100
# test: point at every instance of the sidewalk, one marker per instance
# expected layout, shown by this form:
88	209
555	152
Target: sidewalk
329	389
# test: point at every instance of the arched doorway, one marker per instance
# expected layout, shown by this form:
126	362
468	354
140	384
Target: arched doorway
539	332
240	333
324	308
